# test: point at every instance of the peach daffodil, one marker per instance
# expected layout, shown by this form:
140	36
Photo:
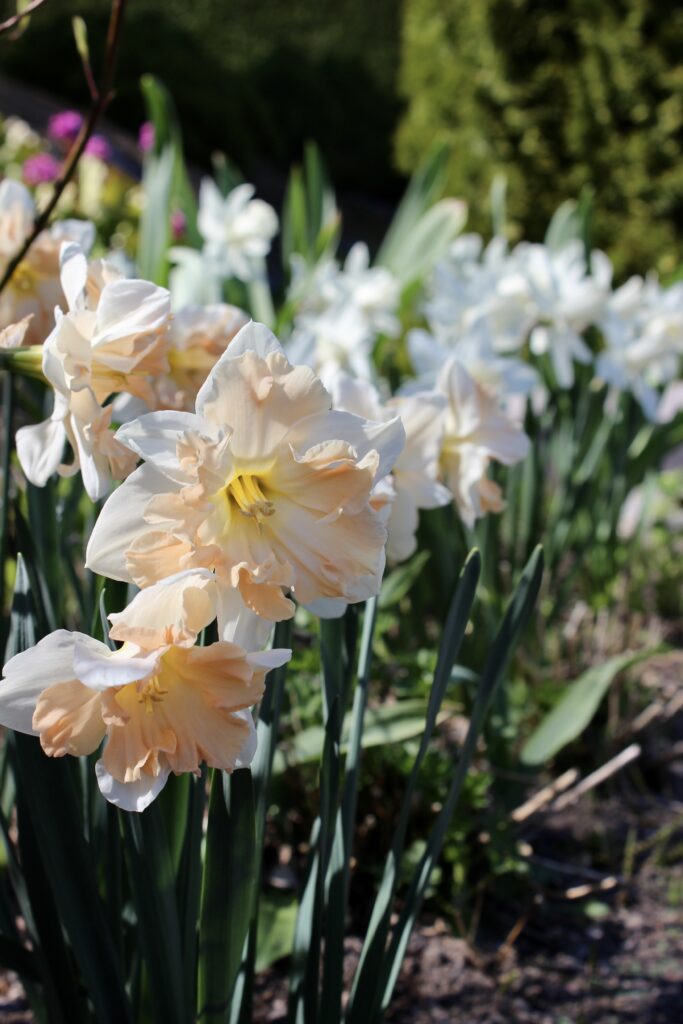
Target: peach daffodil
264	483
414	479
34	288
112	339
160	703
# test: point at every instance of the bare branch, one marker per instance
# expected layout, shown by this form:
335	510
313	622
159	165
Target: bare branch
100	103
5	26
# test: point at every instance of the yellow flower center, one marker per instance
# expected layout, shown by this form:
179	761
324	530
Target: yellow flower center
24	278
246	491
150	694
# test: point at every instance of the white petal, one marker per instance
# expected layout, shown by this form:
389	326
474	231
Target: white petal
26	675
328	607
237	623
120	522
246	754
254	337
100	668
155	435
73	272
127	308
40	447
274	658
175	610
130	796
386	438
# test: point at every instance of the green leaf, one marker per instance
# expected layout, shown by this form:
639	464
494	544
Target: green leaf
277	918
261	771
47	787
424	189
576	708
388	723
514	622
150	871
498	202
227	890
428	241
397	584
166	185
367	990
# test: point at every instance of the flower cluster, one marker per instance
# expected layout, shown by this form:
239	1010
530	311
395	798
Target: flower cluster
492	308
340	312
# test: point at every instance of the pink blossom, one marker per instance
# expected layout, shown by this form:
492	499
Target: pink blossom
40	168
146	136
99	147
178	224
64	126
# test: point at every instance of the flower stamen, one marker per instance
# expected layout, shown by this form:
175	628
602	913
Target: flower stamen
245	491
151	693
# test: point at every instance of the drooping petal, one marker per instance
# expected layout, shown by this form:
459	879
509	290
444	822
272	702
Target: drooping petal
27	674
131	796
40	447
120	523
154	437
68	718
173	611
99	668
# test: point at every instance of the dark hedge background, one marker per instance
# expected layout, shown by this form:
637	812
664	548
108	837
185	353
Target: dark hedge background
557	96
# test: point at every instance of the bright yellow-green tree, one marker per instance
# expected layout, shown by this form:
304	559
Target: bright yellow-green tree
555	96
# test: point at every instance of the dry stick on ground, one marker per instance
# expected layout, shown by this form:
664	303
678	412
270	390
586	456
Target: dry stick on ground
101	100
5	26
545	795
608	769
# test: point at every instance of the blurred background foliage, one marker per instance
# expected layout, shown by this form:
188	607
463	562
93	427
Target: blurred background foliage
557	97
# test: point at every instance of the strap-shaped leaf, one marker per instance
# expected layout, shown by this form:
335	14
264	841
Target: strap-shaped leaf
515	620
48	789
152	880
365	993
229	874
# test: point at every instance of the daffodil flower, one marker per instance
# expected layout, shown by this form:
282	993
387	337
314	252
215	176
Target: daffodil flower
34	288
414	478
160	703
264	483
112	339
476	432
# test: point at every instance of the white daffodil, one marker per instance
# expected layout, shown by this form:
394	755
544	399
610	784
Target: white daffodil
237	230
568	299
482	292
504	375
341	311
264	484
112	339
476	433
643	331
34	288
160	703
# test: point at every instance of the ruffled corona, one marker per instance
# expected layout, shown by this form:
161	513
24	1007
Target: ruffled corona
264	484
161	703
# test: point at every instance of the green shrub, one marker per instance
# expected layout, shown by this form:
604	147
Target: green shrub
556	96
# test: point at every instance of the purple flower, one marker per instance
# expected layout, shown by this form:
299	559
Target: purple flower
99	147
146	136
65	126
178	224
40	168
